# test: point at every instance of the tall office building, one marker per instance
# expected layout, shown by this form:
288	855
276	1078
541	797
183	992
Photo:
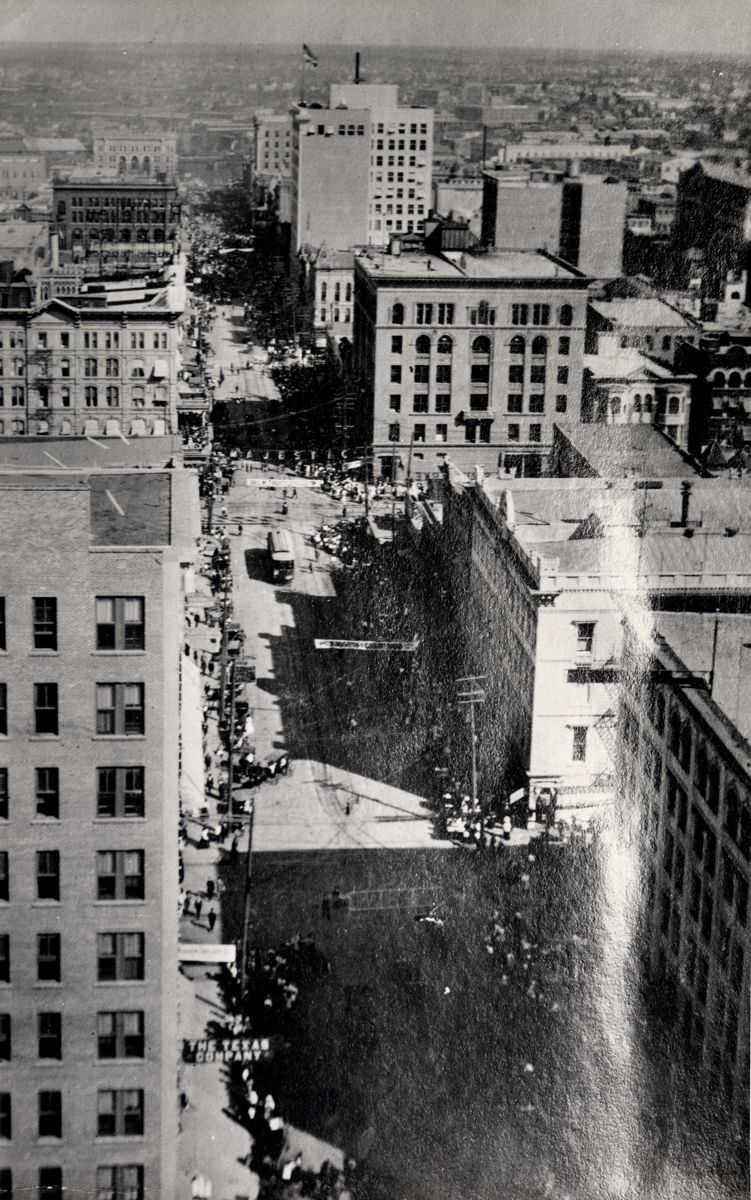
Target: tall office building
384	152
90	662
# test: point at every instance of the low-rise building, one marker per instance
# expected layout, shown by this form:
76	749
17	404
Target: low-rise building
332	288
116	223
21	175
645	323
136	153
622	386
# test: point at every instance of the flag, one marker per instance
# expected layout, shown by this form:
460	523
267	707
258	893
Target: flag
308	56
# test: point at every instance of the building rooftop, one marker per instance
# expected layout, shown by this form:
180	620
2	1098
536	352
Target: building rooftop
624	363
53	144
497	265
740	176
620	451
640	311
691	636
19	234
334	260
80	453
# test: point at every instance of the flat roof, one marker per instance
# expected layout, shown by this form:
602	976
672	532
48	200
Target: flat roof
691	636
641	310
131	508
620	451
459	264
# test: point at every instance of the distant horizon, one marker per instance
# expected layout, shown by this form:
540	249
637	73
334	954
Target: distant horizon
703	28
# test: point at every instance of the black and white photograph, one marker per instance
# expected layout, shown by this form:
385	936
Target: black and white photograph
375	599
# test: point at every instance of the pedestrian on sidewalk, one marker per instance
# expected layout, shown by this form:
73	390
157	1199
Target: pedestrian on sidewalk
210	887
233	846
211	919
197	908
186	904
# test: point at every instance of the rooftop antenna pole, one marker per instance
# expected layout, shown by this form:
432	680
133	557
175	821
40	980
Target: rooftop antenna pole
357	66
714	654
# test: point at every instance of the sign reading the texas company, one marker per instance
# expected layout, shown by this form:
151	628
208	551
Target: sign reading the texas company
228	1050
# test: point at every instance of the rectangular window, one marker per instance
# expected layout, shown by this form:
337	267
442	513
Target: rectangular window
3	708
561	403
120	1034
562	375
4	802
50	1035
519	314
120	1112
441	433
45	622
514	403
65	341
537	403
51	1114
480	372
48	874
419	433
422	373
5	1038
120	623
564	345
396	344
51	1183
45	708
443	402
470	431
395	402
443	373
3	646
120	709
445	314
119	875
119	1183
120	956
394	432
579	743
516	373
535	433
4	958
537	373
513	433
48	957
540	314
6	1125
48	792
4	876
420	403
424	314
585	636
396	373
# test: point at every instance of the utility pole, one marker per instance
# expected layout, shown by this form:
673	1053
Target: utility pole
246	907
223	651
473	694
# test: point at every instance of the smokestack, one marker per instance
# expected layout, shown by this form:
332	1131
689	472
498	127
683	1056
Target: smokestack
685	502
357	67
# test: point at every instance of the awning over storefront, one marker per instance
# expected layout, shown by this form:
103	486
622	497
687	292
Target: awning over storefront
191	739
90	428
159	369
112	428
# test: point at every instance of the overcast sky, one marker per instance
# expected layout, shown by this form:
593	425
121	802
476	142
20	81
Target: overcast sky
703	26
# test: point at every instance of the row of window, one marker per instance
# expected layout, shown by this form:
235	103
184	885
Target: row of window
112	1183
482	314
119	957
120	792
474	431
119	709
337	291
401	129
119	1113
671	404
92	395
119	1034
478	402
119	875
110	340
480	373
120	623
480	345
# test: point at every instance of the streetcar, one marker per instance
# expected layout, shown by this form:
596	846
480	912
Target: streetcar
281	556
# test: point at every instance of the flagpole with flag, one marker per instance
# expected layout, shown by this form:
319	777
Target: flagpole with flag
308	59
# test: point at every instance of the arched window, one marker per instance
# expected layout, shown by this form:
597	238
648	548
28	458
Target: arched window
422	345
734	379
539	345
481	345
674	405
637	403
397	314
147	164
718	379
566	315
517	345
142	235
122	165
134	163
445	344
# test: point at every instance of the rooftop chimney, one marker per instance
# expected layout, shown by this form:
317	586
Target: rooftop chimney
357	66
685	501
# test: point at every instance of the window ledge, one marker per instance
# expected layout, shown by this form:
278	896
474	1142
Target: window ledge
44	821
118	1138
120	1062
110	903
112	653
49	1139
43	737
118	737
120	983
44	652
111	820
47	903
48	983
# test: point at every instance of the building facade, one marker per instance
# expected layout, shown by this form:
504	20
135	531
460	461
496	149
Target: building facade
684	768
67	368
330	164
90	666
466	355
151	154
712	229
272	145
21	174
624	387
332	295
109	223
